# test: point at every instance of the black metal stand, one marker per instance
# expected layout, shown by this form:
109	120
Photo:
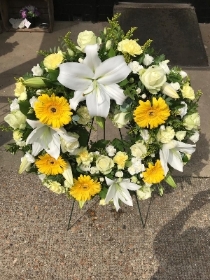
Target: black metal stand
140	214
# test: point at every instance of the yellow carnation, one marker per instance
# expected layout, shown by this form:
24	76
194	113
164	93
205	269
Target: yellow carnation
20	91
53	60
120	159
129	46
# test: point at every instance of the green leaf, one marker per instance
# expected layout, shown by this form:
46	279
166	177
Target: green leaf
169	180
100	121
53	75
24	106
111	52
103	193
81	204
160	189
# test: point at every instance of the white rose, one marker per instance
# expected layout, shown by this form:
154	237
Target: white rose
37	70
111	151
188	92
148	59
164	66
120	120
135	66
16	120
165	135
195	137
138	150
86	38
14	105
144	193
54	186
192	121
153	78
104	164
180	135
70	146
84	116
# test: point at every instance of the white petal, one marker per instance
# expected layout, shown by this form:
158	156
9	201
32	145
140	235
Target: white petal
34	124
36	148
116	202
109	182
164	154
98	104
130	186
78	96
111	193
185	148
125	197
67	174
112	70
92	60
54	145
115	92
75	76
175	160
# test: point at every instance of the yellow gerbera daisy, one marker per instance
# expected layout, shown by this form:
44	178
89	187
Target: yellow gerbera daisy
50	166
52	110
84	188
153	115
154	173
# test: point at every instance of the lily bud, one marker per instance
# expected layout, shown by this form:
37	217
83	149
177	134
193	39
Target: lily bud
108	45
169	90
35	82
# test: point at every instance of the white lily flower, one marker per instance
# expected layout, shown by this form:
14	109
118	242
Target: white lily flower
46	138
95	81
119	190
170	154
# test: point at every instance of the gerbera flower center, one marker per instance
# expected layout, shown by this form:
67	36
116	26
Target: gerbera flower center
151	113
53	110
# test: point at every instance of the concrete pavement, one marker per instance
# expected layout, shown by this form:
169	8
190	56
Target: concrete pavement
102	244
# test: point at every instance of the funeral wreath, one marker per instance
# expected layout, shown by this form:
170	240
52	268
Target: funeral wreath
81	84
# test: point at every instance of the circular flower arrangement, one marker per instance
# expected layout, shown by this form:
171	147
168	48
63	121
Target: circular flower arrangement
79	85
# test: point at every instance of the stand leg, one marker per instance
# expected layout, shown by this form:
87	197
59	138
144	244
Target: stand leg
72	208
140	214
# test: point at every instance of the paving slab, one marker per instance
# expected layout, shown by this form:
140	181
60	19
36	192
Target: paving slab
173	27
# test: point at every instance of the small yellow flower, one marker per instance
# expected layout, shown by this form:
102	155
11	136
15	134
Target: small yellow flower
154	174
120	159
129	46
84	188
52	61
84	157
151	115
50	166
20	91
52	110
